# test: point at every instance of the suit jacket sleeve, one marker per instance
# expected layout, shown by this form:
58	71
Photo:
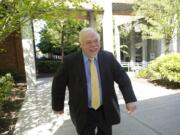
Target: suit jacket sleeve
122	79
58	88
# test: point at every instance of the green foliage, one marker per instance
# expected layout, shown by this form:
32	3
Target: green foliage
165	68
48	66
162	18
2	50
70	49
143	73
18	77
125	32
170	68
56	37
6	85
71	31
46	44
14	13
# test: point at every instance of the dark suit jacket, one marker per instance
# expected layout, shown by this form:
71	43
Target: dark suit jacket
72	74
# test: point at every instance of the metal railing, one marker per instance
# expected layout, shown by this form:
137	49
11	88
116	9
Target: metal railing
134	66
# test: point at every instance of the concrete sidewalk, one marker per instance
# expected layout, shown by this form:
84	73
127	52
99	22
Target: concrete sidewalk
158	112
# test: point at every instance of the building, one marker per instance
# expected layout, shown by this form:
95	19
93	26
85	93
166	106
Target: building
140	52
114	14
11	56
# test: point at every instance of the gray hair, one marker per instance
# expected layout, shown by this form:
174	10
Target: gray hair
85	30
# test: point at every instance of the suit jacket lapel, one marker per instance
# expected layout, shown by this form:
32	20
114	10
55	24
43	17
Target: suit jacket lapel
101	68
81	69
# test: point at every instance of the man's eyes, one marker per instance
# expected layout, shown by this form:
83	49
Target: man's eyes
90	42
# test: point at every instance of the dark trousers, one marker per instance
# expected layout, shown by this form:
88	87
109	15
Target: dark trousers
96	123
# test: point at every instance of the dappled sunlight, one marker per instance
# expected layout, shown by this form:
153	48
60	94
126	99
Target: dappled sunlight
36	116
49	127
44	83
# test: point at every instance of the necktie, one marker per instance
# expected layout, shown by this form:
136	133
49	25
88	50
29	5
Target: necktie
95	98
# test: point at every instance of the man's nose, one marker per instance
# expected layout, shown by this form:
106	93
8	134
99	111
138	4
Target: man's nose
94	44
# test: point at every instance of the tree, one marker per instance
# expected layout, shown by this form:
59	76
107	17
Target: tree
125	32
70	35
14	13
46	44
161	19
51	37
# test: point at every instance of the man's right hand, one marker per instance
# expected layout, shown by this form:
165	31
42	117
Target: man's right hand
59	112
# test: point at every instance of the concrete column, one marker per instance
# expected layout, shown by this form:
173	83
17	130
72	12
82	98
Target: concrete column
132	52
92	19
132	48
178	44
117	41
158	48
162	47
144	53
107	26
175	42
28	53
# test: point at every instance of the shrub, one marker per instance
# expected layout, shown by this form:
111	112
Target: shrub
170	69
143	73
6	84
17	76
48	66
165	68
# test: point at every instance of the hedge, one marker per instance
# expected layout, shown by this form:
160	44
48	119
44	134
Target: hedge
48	66
165	68
17	76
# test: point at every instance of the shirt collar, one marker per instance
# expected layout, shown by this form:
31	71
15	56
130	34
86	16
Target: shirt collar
86	58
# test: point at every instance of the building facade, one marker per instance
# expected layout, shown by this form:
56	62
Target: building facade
114	14
11	56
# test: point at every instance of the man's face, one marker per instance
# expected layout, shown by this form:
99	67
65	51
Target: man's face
90	44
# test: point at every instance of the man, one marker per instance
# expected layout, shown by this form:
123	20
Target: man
90	75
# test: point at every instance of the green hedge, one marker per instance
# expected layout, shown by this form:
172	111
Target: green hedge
48	66
6	85
18	77
165	68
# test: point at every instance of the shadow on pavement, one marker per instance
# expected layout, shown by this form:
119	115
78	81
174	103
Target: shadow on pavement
156	116
157	113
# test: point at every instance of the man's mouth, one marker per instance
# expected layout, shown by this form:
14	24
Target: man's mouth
94	48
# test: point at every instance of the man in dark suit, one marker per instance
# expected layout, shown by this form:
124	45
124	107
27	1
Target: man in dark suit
90	75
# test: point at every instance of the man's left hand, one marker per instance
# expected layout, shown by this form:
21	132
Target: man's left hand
131	107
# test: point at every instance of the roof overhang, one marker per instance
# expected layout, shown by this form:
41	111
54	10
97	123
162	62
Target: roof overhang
122	8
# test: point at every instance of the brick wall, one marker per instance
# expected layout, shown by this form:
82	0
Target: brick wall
11	57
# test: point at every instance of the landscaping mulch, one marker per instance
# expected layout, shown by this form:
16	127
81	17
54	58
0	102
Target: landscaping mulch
167	84
9	110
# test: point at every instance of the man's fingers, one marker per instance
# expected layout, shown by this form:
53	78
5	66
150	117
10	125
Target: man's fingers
131	107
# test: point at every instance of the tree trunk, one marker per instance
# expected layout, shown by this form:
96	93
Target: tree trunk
167	44
62	43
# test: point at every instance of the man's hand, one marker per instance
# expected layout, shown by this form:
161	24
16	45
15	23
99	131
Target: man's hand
131	107
59	112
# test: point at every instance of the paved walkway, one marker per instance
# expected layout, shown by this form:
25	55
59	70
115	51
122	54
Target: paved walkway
158	112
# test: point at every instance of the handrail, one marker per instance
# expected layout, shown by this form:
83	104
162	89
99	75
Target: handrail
134	66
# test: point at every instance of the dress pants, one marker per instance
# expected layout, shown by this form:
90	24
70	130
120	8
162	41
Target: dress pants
96	123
